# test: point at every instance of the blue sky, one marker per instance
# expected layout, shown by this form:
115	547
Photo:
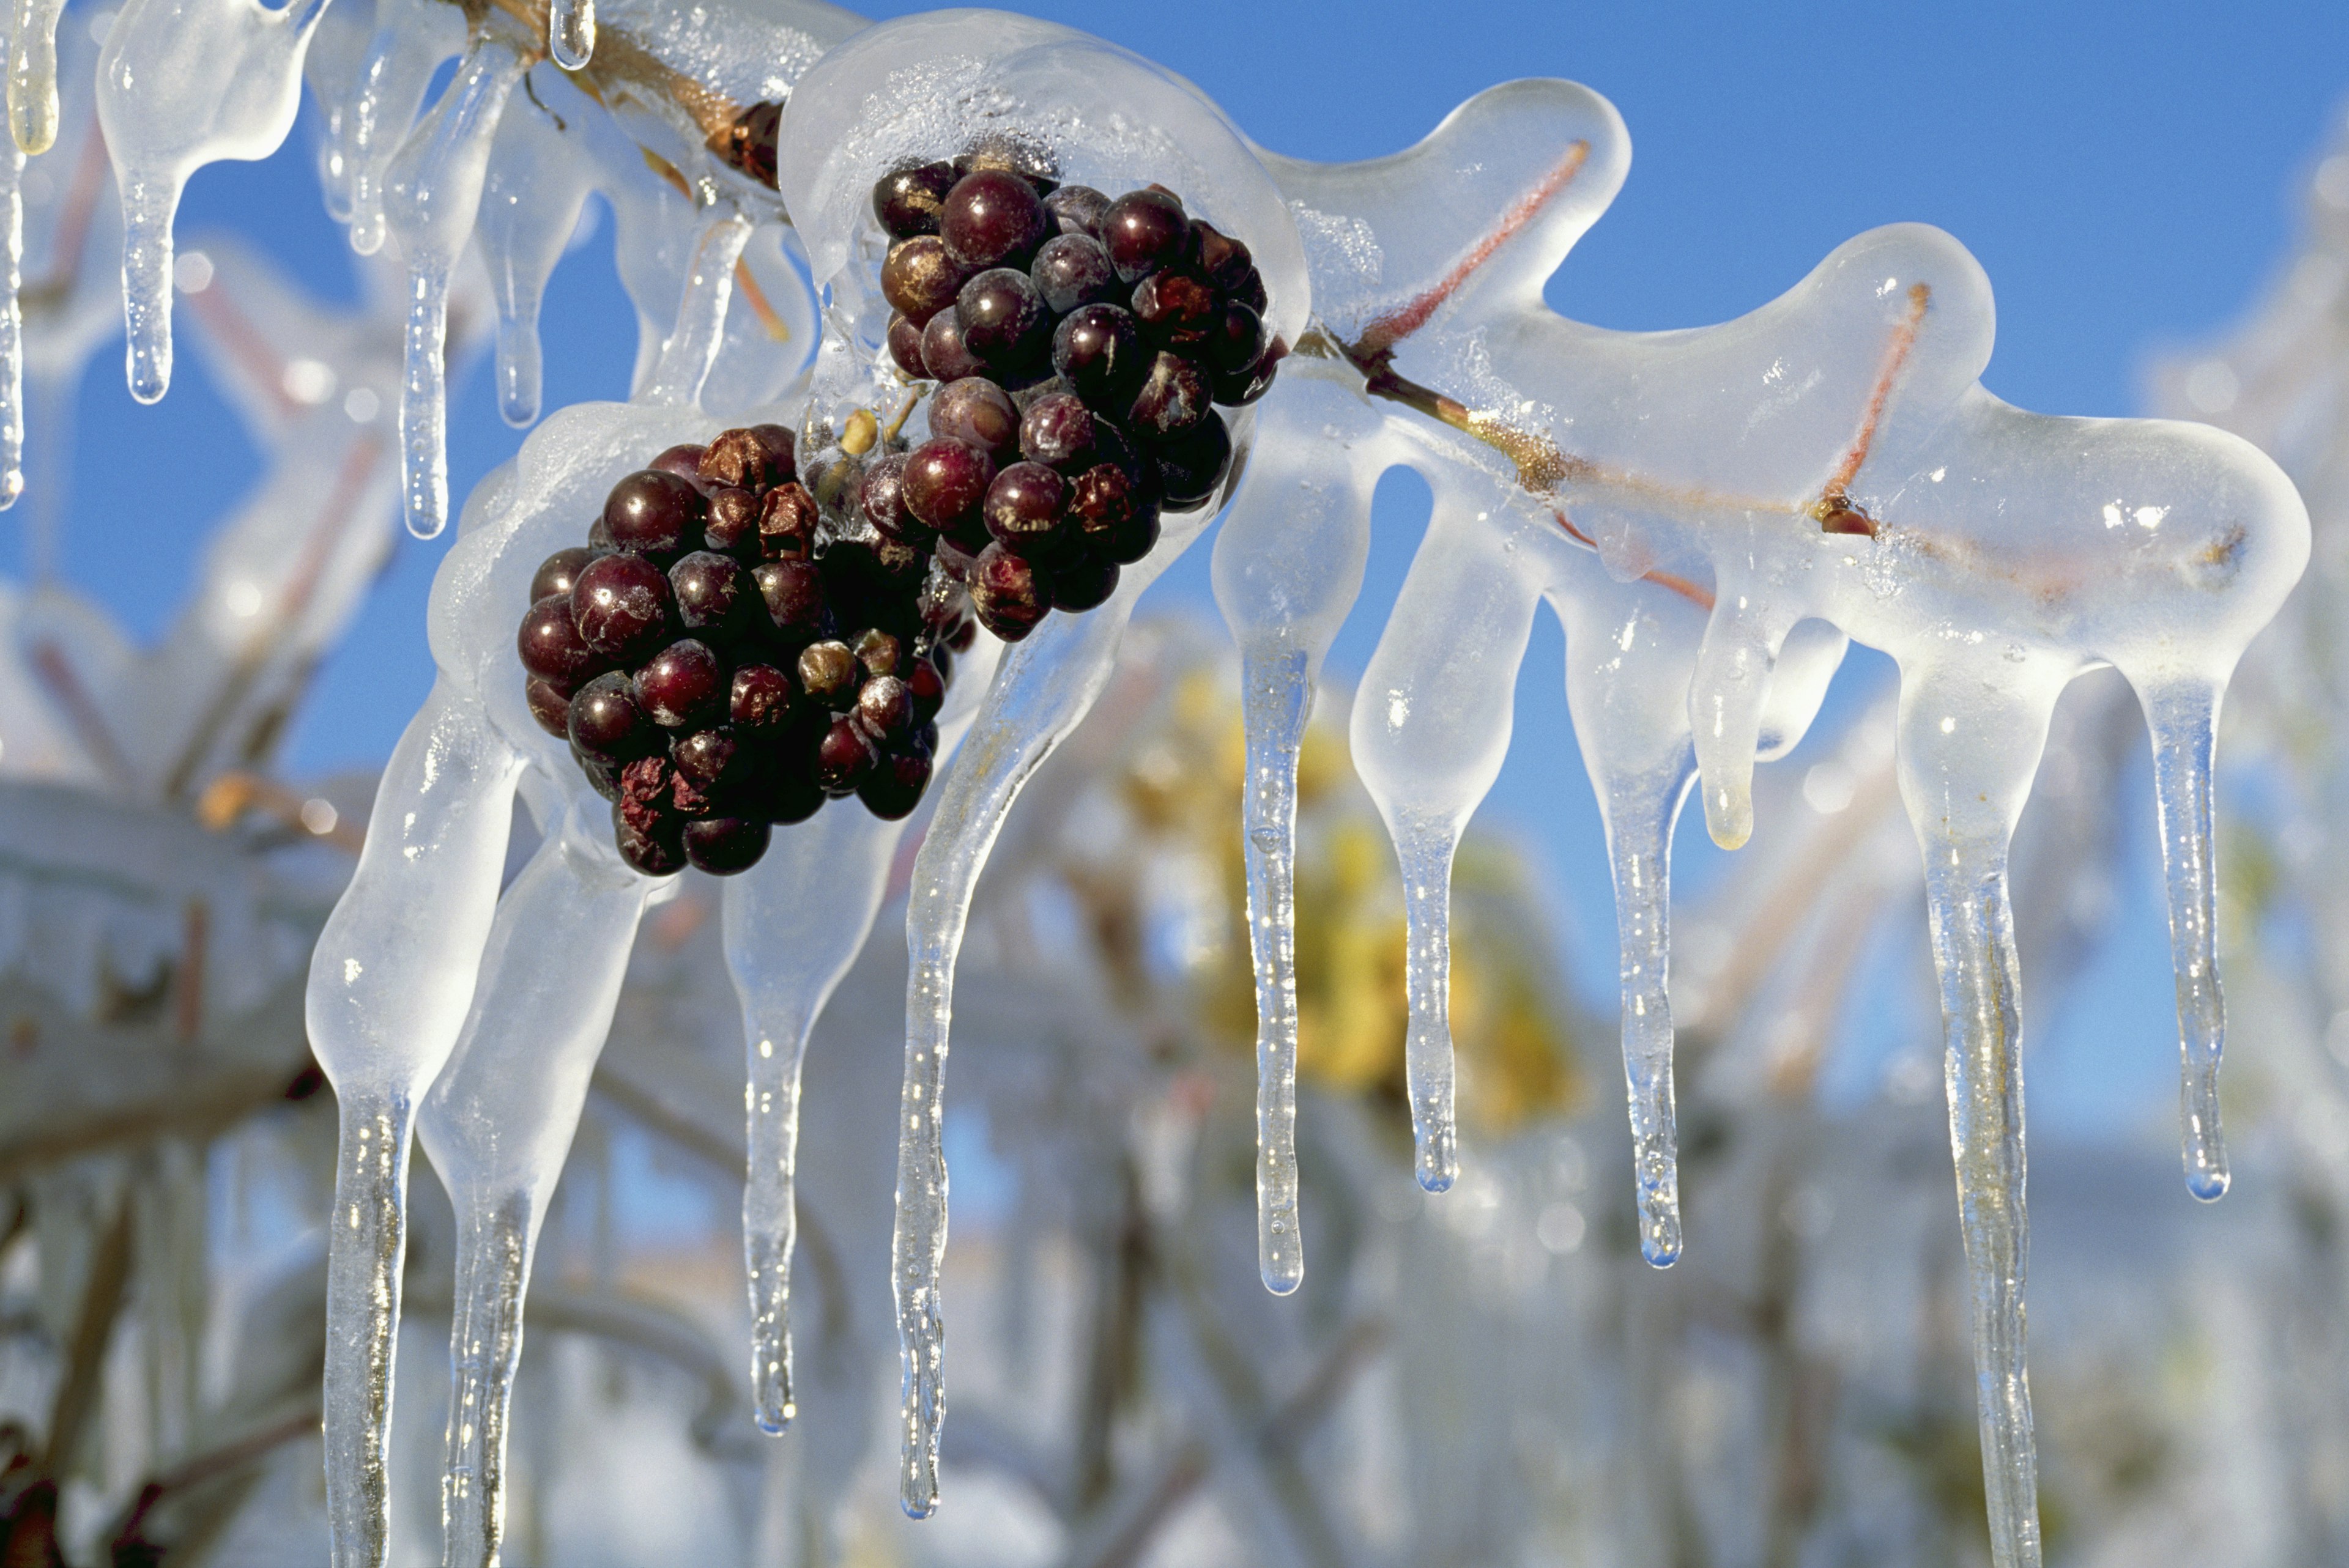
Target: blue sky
2123	171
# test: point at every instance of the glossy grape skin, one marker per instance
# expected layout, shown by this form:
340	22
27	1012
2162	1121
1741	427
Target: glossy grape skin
758	699
907	200
684	684
607	722
549	704
881	499
710	591
1190	468
710	758
945	482
1077	209
945	356
654	846
603	774
1010	594
1024	511
1074	270
829	673
558	571
1234	342
885	707
1224	262
904	341
977	413
927	688
652	511
1106	504
919	279
787	524
1059	431
1144	231
1083	585
1097	350
1174	310
725	846
1004	323
550	647
844	758
621	604
731	523
684	460
1174	397
992	218
793	593
896	784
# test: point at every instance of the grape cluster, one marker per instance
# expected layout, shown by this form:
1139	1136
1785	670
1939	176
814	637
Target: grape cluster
720	664
1081	344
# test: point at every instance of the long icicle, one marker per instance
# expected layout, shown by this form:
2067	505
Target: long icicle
2184	718
430	200
1287	567
531	193
12	326
33	75
498	1125
691	350
1642	810
1045	686
411	38
364	1271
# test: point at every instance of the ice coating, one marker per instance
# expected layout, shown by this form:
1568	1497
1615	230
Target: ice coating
922	88
412	40
571	32
691	350
433	193
183	82
537	180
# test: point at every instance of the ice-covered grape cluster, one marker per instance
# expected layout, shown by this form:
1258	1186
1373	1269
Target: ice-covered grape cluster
721	663
1081	344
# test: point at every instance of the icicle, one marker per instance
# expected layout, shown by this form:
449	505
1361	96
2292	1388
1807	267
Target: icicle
571	33
1430	726
12	328
1045	686
700	330
531	193
33	75
1288	565
180	84
498	1126
1727	697
388	995
331	67
429	200
411	38
2184	718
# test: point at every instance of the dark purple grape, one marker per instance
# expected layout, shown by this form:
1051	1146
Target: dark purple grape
879	653
829	673
744	457
1235	341
1144	231
926	687
1010	595
977	413
549	704
651	511
792	795
621	604
708	757
885	707
551	645
603	775
722	846
898	561
992	218
1030	159
793	593
653	844
683	683
733	524
1173	400
1024	511
880	497
1097	350
945	356
1083	583
1058	430
599	537
1175	309
787	519
683	460
1250	292
710	591
759	699
920	279
1074	270
605	721
952	559
907	199
1193	465
782	451
558	571
1222	261
842	759
1004	322
906	344
896	785
1077	209
945	482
